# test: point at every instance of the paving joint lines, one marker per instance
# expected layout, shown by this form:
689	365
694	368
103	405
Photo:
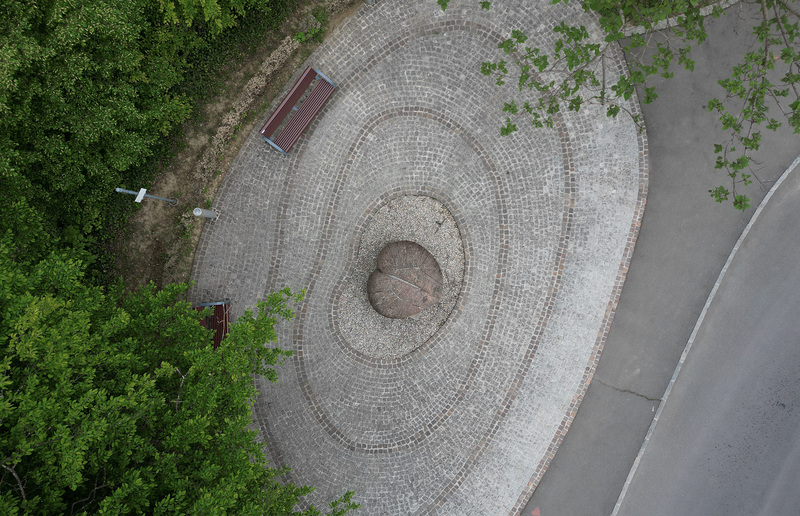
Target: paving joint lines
468	421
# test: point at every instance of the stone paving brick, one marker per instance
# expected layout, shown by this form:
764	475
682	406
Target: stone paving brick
467	422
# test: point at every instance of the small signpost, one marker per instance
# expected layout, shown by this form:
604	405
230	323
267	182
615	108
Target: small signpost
142	193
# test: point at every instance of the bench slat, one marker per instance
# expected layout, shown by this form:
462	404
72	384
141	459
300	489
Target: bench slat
288	103
305	115
303	118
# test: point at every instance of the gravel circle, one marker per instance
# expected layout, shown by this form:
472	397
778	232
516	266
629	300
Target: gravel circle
419	219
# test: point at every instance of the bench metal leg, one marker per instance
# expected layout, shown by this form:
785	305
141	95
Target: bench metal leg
273	144
324	77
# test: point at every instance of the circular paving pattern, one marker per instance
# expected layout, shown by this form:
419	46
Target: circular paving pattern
458	412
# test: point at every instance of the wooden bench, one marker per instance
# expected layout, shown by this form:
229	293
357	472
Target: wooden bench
300	117
219	321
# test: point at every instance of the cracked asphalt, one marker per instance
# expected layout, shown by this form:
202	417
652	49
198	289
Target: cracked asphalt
684	242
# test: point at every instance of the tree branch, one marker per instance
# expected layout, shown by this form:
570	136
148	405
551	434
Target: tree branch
786	6
88	498
19	482
785	40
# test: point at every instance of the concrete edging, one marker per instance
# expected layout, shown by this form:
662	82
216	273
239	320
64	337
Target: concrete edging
671	22
700	319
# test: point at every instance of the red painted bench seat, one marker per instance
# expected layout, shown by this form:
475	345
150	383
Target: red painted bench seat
219	321
302	116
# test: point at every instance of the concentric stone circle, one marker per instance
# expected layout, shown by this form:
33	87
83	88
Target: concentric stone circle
465	418
416	218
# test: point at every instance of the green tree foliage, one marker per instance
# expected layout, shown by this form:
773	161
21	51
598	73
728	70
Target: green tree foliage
119	404
84	96
215	15
572	73
89	91
749	90
114	403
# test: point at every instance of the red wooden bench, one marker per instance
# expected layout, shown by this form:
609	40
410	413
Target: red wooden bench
301	117
219	321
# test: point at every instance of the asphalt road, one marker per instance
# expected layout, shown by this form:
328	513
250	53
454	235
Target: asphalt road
728	439
684	242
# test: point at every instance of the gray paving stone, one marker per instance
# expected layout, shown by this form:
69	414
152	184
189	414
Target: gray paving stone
467	422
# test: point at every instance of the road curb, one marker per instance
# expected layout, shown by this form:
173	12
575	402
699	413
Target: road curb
671	22
700	319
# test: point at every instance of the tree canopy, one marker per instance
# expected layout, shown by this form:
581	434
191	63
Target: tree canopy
113	403
85	93
214	14
89	91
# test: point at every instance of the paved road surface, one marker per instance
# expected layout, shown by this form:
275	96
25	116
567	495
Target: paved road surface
684	242
728	439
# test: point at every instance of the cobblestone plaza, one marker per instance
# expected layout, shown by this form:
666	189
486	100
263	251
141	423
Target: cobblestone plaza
465	418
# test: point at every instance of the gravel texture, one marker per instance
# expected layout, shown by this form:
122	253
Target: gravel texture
418	219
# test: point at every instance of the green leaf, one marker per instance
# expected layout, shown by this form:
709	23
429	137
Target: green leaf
741	202
650	95
719	193
510	107
508	128
507	46
519	36
714	104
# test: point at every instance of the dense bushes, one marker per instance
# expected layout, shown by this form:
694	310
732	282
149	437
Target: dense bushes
89	91
113	402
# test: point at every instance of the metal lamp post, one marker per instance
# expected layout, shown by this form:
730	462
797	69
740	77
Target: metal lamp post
142	193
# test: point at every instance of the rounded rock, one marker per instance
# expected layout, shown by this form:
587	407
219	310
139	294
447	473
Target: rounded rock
407	281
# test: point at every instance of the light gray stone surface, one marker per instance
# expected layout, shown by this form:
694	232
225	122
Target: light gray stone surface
467	422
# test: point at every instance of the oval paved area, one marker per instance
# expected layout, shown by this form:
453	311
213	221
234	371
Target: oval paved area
467	422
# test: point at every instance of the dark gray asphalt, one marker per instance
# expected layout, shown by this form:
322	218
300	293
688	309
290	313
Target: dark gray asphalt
684	242
728	439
